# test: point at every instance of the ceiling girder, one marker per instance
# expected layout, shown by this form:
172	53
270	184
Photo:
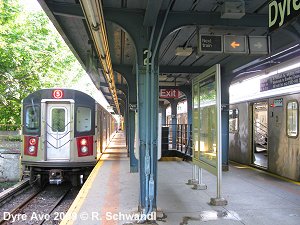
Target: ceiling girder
175	19
169	69
152	12
106	93
66	9
182	69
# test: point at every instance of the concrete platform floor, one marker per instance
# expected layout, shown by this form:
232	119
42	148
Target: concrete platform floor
254	197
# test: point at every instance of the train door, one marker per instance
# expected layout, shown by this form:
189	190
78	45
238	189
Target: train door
260	134
100	126
58	132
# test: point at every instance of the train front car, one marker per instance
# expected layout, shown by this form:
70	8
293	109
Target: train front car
59	135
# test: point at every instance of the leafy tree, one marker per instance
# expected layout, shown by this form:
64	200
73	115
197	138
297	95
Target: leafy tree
32	56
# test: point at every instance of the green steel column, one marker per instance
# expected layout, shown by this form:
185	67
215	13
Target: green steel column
174	122
148	120
225	83
163	114
142	101
131	93
131	136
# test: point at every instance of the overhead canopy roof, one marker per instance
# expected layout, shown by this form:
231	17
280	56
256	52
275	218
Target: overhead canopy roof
190	16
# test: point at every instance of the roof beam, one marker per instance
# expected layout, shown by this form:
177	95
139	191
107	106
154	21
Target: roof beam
175	19
182	18
103	84
167	69
152	12
106	94
182	69
61	31
66	9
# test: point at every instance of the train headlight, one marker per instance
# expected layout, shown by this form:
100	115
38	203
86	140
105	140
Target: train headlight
84	149
31	149
83	141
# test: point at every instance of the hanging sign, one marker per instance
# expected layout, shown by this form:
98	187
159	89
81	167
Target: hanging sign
169	93
211	43
281	12
280	80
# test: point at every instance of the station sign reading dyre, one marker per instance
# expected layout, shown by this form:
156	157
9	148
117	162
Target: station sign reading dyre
281	12
169	93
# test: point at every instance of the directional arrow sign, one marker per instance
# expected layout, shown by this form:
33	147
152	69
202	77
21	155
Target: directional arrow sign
235	44
259	45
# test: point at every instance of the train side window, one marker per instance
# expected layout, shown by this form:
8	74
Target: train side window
32	118
58	117
84	119
233	120
292	119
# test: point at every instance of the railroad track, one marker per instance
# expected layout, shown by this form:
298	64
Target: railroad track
19	207
37	208
13	191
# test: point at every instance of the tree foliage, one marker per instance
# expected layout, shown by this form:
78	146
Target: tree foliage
32	56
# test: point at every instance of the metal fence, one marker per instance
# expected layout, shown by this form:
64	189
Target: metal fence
183	137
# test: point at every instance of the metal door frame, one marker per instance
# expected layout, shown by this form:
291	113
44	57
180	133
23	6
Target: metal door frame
252	132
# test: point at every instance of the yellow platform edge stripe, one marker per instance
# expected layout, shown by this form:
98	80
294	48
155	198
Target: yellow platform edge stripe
72	213
170	159
242	166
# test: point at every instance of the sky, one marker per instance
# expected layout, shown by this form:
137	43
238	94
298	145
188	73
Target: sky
31	5
85	84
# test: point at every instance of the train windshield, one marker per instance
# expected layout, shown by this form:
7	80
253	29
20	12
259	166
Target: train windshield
32	118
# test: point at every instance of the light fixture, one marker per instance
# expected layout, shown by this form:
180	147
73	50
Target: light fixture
182	51
233	9
91	11
99	43
95	20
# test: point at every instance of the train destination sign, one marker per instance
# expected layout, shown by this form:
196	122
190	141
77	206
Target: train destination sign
280	80
278	102
281	12
169	93
211	43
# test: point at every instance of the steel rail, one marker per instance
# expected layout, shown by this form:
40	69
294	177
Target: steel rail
13	191
21	206
55	205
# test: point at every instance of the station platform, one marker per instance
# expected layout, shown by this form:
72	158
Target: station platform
254	196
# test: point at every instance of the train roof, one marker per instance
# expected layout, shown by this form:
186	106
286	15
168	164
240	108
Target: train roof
79	97
57	93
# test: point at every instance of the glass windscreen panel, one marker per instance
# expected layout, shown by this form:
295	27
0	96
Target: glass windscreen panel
84	119
196	120
208	122
32	118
